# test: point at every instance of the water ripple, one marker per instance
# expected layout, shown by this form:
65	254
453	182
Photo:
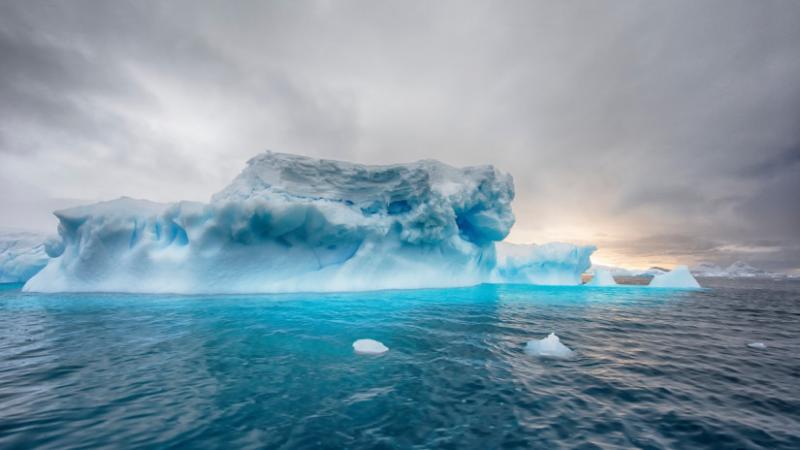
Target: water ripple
653	369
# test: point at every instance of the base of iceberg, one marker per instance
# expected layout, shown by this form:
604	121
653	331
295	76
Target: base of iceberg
369	347
550	347
602	277
679	277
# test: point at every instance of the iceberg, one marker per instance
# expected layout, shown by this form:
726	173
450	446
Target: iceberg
290	223
613	270
369	347
602	277
22	255
554	263
550	346
679	277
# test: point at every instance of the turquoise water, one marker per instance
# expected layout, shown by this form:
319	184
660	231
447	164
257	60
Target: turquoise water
654	369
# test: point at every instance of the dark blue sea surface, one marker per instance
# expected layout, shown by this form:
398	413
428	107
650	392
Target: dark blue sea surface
655	368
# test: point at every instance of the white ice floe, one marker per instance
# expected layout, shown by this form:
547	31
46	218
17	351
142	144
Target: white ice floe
602	277
757	345
550	347
679	277
369	347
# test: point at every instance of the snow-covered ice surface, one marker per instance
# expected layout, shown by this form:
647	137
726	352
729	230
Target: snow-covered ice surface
556	263
369	347
289	223
602	277
679	277
22	255
550	347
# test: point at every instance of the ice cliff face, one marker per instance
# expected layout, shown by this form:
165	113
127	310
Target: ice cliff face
555	263
291	223
22	255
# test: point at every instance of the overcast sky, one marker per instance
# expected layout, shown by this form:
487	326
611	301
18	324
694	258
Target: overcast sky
662	132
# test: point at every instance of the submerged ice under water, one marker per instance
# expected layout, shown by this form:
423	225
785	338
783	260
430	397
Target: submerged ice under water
655	368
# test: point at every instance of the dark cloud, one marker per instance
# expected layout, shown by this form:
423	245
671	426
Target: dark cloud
669	130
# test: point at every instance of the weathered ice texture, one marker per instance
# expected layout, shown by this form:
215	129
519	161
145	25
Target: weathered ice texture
291	223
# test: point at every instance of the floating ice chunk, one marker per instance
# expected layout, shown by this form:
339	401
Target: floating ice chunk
550	347
757	345
679	277
369	347
554	263
602	277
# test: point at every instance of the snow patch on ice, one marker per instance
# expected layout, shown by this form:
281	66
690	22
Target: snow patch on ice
369	347
679	277
550	347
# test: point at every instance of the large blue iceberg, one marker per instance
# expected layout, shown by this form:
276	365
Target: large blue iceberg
291	223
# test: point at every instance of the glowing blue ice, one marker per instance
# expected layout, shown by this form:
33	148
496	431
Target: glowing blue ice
290	223
22	255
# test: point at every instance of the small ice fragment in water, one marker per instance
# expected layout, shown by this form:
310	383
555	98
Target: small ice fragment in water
550	346
758	345
369	347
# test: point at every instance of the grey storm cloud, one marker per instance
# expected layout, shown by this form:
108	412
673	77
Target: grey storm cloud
666	129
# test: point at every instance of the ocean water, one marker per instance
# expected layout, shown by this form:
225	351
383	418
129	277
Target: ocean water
654	368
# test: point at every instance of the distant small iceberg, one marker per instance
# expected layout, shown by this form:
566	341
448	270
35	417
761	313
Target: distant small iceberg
679	277
549	347
369	347
602	277
757	345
